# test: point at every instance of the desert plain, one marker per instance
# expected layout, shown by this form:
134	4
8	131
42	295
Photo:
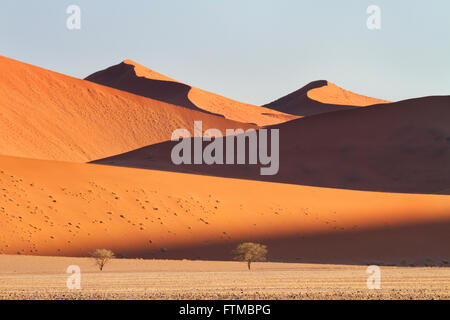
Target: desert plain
25	277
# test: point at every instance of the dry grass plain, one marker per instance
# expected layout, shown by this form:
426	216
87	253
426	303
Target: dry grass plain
32	277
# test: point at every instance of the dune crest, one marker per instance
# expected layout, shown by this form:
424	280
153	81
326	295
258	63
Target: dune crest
135	78
320	97
332	94
142	71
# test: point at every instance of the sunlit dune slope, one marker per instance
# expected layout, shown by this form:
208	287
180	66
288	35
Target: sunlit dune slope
397	147
57	208
320	97
135	78
48	115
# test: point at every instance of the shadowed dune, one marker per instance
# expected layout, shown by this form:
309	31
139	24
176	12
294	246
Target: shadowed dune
135	78
48	115
123	77
320	97
396	147
407	245
57	208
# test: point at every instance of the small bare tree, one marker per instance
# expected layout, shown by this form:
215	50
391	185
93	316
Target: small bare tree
102	257
250	252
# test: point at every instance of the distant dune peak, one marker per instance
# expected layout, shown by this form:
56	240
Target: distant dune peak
131	62
333	94
145	72
313	85
318	97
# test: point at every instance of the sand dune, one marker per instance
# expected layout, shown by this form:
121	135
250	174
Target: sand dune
48	115
135	78
320	97
397	147
57	208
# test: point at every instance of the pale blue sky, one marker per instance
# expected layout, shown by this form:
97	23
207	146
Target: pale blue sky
251	50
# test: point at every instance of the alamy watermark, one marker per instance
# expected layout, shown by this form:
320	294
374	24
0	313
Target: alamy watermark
74	280
374	280
374	19
73	21
216	152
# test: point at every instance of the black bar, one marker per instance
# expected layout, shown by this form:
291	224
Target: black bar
224	309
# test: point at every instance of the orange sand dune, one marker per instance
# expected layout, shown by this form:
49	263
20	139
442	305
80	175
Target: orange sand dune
395	147
320	97
135	78
57	208
48	115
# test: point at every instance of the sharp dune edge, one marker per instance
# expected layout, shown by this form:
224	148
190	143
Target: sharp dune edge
141	71
133	77
47	115
332	94
57	208
321	97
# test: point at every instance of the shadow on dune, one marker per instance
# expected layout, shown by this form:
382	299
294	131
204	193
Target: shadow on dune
398	147
123	77
420	244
